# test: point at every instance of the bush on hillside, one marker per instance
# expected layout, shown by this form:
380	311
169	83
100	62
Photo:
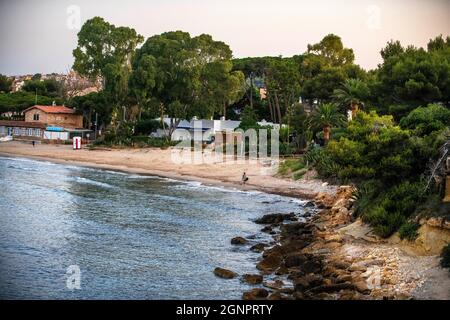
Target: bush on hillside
425	120
408	231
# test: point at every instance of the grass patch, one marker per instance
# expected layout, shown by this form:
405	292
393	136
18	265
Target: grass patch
289	166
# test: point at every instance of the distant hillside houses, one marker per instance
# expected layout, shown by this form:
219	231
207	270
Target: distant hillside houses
202	129
73	84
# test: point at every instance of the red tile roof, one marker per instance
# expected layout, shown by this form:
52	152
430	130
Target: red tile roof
12	123
52	109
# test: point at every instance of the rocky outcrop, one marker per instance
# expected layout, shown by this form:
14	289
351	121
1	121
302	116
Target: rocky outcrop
304	254
259	247
252	278
276	218
239	241
224	273
255	294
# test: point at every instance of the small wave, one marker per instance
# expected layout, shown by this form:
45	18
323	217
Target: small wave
22	168
92	182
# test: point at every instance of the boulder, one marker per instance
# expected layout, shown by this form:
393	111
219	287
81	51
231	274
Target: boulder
275	296
344	278
361	286
275	218
257	293
276	285
259	247
239	241
341	265
308	281
224	273
312	266
281	271
332	287
270	262
294	260
324	200
309	204
252	278
294	229
267	229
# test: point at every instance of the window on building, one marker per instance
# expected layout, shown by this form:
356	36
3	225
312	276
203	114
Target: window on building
17	131
36	117
30	132
37	132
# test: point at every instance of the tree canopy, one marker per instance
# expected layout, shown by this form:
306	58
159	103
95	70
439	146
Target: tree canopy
185	76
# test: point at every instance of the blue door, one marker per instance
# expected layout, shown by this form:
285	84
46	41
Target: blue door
10	131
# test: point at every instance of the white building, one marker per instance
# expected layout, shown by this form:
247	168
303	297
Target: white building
203	129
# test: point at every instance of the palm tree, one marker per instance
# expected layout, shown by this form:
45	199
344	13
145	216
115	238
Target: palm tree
325	117
352	94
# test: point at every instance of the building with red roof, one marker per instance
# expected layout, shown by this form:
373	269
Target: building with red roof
45	122
56	116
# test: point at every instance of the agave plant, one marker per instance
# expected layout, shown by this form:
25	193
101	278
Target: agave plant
325	117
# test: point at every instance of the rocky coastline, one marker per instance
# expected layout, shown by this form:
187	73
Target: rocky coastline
311	257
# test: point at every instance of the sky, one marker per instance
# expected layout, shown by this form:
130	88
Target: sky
38	36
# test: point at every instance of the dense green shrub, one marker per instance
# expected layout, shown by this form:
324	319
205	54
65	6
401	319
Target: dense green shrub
146	127
365	194
388	210
445	257
425	120
386	163
408	231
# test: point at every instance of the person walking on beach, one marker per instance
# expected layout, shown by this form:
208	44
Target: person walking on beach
244	178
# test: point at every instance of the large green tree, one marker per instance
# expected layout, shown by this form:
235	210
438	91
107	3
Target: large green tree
106	51
410	77
324	67
184	76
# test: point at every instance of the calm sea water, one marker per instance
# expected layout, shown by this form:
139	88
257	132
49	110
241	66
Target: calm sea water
132	236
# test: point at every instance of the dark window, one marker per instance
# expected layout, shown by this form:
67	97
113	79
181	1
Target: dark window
36	117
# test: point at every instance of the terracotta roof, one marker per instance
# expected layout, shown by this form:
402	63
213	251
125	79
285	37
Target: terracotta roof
12	123
52	109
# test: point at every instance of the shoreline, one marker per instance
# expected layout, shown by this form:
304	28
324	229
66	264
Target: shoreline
99	159
164	174
342	255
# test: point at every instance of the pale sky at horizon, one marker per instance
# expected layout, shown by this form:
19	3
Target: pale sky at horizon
35	37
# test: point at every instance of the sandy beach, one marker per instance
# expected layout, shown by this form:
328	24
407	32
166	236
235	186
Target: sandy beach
152	161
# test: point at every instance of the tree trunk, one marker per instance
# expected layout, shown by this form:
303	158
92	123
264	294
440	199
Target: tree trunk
277	105
251	91
224	111
326	134
270	108
354	108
